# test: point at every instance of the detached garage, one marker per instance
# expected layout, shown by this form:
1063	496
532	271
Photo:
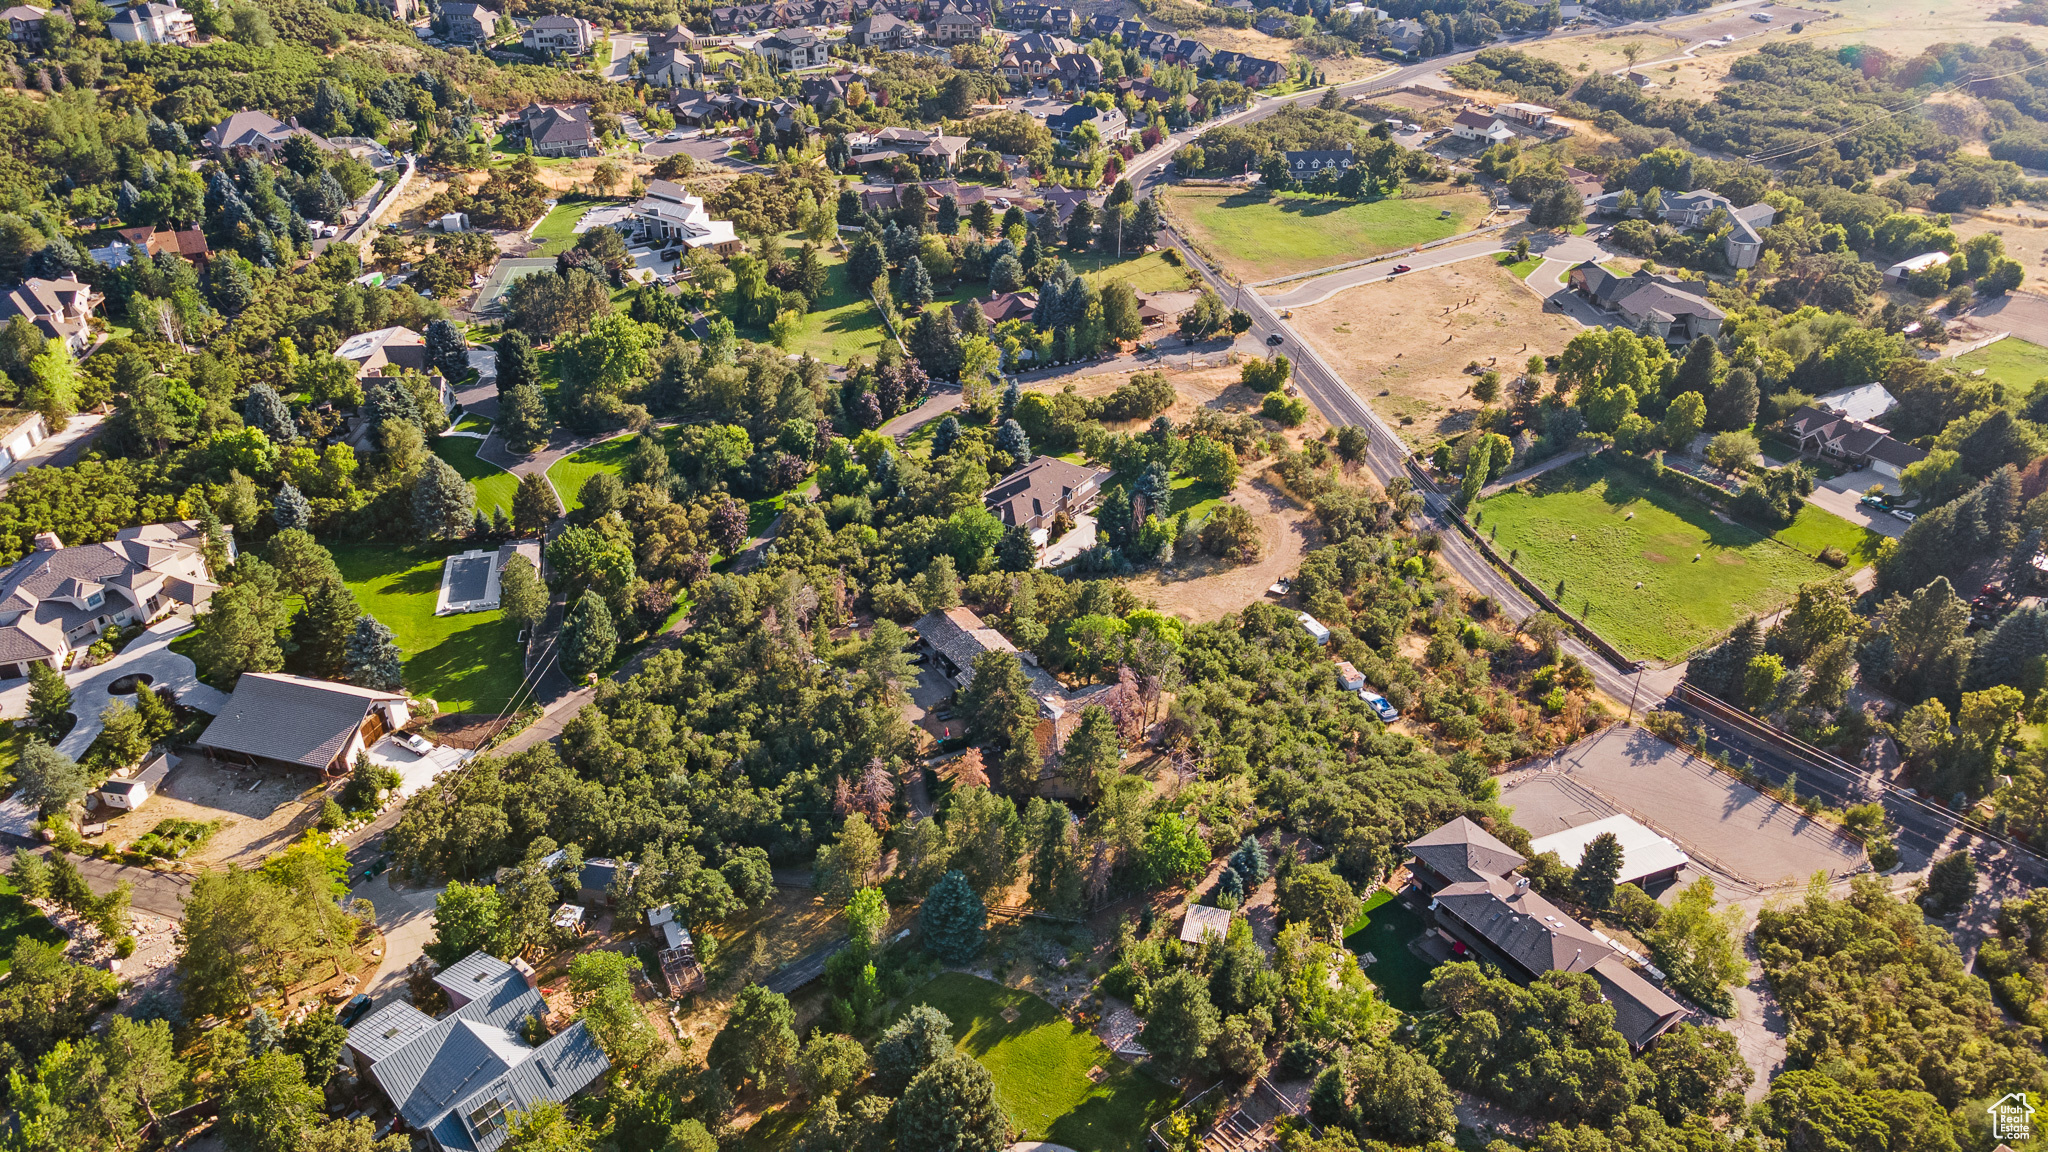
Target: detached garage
304	723
1646	857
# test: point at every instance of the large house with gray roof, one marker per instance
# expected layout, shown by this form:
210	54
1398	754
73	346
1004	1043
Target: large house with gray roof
1660	305
295	721
559	131
460	1079
56	599
1490	914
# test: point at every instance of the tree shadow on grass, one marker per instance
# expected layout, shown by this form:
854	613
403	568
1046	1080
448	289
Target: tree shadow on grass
1115	1120
478	667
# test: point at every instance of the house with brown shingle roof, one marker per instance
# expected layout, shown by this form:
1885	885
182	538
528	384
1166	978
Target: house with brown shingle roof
56	598
1849	442
1039	491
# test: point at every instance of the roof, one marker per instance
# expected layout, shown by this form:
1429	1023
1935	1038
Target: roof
549	125
138	563
1851	437
1641	1009
563	1066
1473	118
1916	263
1462	851
474	971
396	346
600	875
1643	852
1009	306
959	635
1865	402
291	718
388	1029
1037	488
1522	925
1203	920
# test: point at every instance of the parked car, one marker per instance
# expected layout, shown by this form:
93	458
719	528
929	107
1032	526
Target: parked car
1273	341
358	1006
1379	705
416	742
1874	502
1902	514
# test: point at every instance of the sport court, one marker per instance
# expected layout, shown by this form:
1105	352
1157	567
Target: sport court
491	297
1718	820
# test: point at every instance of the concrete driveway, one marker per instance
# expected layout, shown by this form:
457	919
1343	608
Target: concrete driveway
406	917
149	654
1841	494
418	771
620	69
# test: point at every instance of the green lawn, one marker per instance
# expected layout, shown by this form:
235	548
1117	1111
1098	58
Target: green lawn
1259	236
1041	1063
1576	527
1197	498
467	662
569	473
762	513
1383	930
1519	268
843	325
556	233
1816	529
494	486
18	919
2013	362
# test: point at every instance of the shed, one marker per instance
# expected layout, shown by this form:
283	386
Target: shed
1315	627
1912	264
568	917
135	791
1203	920
1349	677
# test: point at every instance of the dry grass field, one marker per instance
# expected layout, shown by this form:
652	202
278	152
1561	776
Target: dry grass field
2025	232
1907	27
1404	344
1252	42
1603	52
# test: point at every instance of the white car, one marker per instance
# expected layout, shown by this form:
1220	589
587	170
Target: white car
416	742
1379	705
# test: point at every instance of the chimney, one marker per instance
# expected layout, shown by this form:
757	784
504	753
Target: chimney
47	542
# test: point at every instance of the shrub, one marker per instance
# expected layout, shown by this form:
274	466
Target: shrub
1286	411
1834	557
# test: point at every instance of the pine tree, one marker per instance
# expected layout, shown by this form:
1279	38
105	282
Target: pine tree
324	628
946	435
2013	652
518	365
521	595
49	698
447	350
1598	871
917	284
588	638
266	412
523	418
443	503
1010	438
533	505
948	221
290	509
952	1107
1734	402
953	919
480	526
372	656
501	524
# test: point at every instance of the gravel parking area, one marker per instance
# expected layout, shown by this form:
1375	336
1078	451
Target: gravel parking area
1718	820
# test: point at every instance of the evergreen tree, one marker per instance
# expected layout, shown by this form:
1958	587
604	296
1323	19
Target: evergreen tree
501	524
1015	552
1720	671
1734	401
521	594
1697	371
518	365
917	284
588	637
290	509
1598	871
523	418
49	698
448	350
323	629
372	656
1010	438
1950	884
533	505
2013	653
911	1045
952	1107
266	412
443	503
953	919
948	221
1183	1020
946	435
49	781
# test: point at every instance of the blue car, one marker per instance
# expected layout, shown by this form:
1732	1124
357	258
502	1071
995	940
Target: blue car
1379	705
357	1008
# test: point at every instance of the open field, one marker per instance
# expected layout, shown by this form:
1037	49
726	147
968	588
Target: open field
1816	529
570	472
843	325
2012	361
1340	69
1403	344
2024	243
493	485
1604	52
1258	236
1041	1063
1907	27
1602	532
468	662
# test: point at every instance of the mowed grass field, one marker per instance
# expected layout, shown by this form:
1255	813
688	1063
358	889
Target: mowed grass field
1041	1062
570	472
1601	531
1259	236
493	485
2012	362
467	662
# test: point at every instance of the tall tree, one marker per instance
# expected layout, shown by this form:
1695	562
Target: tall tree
373	657
534	506
266	412
322	630
588	637
49	697
447	350
443	503
952	1107
290	509
518	364
48	780
1182	1021
1599	870
953	919
521	595
523	418
758	1041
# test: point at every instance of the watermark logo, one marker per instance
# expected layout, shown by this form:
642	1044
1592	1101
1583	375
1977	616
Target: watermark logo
2012	1117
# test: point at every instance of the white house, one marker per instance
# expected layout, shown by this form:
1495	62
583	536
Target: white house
153	24
794	48
1315	627
1485	127
560	35
668	214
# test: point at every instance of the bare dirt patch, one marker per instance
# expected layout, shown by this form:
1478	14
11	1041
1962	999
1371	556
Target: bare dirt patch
1906	27
1252	42
1204	588
1404	344
261	810
2025	232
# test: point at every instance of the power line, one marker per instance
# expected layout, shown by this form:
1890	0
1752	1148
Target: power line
1793	150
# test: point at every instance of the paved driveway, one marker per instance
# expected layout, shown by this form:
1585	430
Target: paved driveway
148	654
1841	494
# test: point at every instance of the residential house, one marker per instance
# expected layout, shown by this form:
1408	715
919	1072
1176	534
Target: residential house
1745	242
145	241
599	883
673	68
883	32
1304	165
560	35
403	11
693	107
956	636
1048	16
27	26
470	24
918	144
1866	402
1192	53
565	131
1276	25
1250	71
388	352
1061	201
1912	264
677	39
294	721
1849	443
678	956
149	23
957	27
1484	911
1483	127
1106	25
56	599
794	48
1159	307
1041	491
818	91
1586	184
463	1079
1674	309
883	201
669	216
1008	306
1407	36
1027	67
62	309
1693	209
1109	123
259	132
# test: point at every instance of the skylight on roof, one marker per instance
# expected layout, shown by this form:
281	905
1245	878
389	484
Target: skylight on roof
488	1118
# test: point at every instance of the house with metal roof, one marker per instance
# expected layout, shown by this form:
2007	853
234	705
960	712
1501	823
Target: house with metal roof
1646	857
1488	914
56	599
459	1080
277	718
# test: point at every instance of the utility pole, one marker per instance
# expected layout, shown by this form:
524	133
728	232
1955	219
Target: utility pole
1633	689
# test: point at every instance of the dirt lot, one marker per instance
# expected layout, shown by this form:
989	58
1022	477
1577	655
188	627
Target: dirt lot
1204	588
1404	344
1603	53
2025	232
262	810
1340	69
1906	27
1194	388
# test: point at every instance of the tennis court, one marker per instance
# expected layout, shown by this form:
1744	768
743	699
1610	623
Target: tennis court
490	297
